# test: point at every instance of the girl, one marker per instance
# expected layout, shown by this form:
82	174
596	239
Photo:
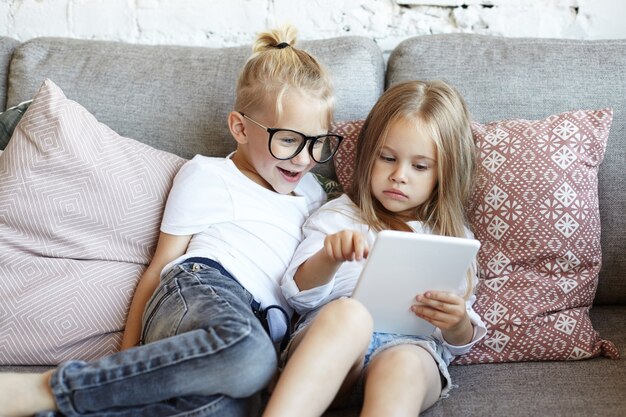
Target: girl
414	165
229	229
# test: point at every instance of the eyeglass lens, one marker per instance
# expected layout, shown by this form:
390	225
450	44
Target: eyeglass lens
286	144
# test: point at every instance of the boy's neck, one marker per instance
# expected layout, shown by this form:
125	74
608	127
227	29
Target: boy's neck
242	164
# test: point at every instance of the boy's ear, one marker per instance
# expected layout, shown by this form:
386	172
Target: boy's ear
237	127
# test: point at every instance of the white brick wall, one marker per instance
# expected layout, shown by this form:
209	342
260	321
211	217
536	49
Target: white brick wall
235	22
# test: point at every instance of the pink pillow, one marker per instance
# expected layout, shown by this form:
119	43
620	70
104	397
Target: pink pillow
535	211
80	209
345	157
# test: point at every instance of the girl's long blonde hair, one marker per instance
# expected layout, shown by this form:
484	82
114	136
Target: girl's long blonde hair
276	67
439	110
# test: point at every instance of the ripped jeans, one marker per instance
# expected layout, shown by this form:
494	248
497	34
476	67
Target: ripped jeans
205	354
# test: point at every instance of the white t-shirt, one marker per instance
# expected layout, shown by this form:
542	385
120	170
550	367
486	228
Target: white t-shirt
250	230
332	217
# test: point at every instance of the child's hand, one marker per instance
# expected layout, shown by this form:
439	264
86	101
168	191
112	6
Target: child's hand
320	268
446	311
347	245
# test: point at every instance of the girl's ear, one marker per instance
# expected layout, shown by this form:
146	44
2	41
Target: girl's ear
237	127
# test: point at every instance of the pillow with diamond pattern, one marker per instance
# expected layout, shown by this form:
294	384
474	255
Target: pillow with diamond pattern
344	159
80	209
535	211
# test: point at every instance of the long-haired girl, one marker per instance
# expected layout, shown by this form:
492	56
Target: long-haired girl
414	168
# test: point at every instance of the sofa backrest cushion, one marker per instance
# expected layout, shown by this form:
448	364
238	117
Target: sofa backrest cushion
177	98
504	78
7	45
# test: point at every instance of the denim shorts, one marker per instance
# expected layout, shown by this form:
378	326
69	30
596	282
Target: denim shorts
382	341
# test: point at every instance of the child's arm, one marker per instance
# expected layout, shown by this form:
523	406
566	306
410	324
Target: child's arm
319	269
169	247
448	312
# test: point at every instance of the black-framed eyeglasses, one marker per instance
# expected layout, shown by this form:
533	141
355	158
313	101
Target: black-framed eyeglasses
286	143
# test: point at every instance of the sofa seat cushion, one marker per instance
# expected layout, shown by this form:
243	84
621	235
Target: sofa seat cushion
80	209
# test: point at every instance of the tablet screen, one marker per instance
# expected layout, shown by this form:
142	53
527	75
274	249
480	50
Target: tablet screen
401	265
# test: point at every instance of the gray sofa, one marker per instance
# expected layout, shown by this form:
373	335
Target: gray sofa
177	98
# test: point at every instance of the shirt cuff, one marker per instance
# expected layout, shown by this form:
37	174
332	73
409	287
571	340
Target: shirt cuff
479	332
290	288
306	300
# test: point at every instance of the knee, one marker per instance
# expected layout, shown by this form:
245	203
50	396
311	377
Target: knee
258	351
408	360
347	316
256	363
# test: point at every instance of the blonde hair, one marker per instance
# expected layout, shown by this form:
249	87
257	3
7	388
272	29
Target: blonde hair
276	67
439	110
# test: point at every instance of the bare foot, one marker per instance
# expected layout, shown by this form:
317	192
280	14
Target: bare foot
25	394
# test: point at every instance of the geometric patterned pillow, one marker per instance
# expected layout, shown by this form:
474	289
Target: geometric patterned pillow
535	211
331	187
344	159
80	209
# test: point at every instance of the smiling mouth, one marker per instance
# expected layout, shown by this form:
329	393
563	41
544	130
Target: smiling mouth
290	175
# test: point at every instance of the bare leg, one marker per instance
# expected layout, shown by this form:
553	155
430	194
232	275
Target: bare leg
328	357
401	381
25	394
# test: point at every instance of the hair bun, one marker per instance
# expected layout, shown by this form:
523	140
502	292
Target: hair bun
278	38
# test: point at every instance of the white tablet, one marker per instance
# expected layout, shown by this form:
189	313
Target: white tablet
401	265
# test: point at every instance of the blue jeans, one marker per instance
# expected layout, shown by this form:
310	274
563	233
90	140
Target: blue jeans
206	354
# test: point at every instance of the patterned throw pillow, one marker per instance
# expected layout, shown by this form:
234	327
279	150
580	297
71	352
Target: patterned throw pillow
345	157
80	209
9	119
535	211
331	187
